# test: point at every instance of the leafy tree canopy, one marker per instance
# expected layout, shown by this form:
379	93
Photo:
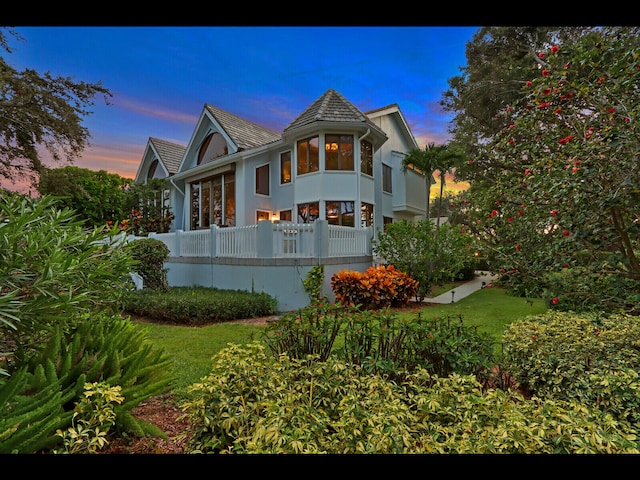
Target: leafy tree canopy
40	113
98	196
555	189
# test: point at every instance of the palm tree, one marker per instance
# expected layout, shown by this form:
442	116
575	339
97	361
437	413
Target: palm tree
442	157
424	161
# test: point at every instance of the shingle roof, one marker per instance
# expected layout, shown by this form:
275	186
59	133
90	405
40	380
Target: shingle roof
331	107
170	153
245	134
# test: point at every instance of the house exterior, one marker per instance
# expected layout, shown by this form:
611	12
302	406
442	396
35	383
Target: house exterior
333	166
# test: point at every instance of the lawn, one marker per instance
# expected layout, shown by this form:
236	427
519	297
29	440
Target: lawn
192	348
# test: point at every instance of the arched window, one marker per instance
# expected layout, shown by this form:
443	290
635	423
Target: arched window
152	169
214	146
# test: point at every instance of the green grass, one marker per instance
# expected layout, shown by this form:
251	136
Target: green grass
192	348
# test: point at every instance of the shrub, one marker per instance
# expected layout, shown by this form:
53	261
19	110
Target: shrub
380	342
93	416
313	284
50	269
429	254
255	403
578	357
100	349
198	305
376	287
151	253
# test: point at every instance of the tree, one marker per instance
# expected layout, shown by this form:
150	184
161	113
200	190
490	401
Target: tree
97	196
40	111
425	162
427	253
554	193
499	61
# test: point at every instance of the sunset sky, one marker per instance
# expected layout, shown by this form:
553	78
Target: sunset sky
161	77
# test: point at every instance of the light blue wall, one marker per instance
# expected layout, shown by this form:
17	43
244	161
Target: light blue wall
280	278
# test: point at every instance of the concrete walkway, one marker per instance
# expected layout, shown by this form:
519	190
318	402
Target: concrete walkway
481	279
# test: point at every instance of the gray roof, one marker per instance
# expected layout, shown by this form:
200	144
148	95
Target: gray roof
245	134
170	153
331	107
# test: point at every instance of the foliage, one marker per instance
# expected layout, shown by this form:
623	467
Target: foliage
313	284
151	253
98	197
499	60
51	268
40	111
376	287
149	207
93	416
198	305
381	342
101	349
28	422
254	403
309	331
427	253
557	187
587	358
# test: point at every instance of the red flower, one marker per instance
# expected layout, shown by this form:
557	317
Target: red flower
545	73
541	55
533	337
554	300
612	110
527	171
554	212
626	120
566	233
554	49
529	83
544	105
546	91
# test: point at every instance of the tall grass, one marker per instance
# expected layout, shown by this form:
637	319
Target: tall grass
192	348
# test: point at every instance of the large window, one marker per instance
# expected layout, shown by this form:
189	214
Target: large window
262	180
308	156
308	212
340	213
386	179
366	157
338	152
213	202
285	167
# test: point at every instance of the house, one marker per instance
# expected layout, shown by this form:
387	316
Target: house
333	166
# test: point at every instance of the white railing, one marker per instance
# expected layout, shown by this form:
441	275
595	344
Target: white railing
277	240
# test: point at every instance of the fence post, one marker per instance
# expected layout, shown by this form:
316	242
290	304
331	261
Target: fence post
178	252
213	240
265	239
321	232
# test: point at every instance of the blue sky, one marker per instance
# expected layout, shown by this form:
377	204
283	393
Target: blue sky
161	77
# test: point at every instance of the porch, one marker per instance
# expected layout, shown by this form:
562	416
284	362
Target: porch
268	257
270	240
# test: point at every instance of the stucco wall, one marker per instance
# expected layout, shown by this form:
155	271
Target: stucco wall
280	278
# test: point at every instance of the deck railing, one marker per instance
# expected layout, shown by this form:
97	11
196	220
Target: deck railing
270	240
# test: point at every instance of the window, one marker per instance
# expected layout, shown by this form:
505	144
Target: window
366	215
285	167
386	221
214	146
338	152
366	157
262	215
285	215
213	201
262	180
308	155
340	213
308	212
152	169
386	178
